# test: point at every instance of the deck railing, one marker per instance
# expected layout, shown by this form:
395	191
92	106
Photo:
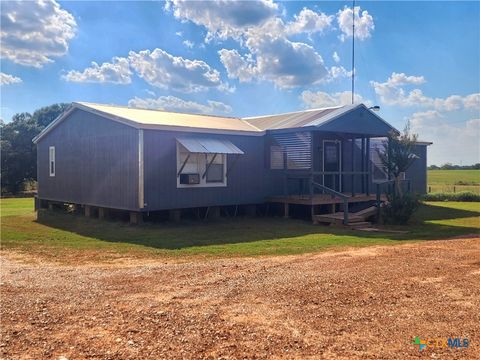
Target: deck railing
304	179
334	194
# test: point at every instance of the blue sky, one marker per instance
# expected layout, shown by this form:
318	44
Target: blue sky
418	60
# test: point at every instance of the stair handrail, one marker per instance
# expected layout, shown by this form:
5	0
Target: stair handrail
337	194
379	184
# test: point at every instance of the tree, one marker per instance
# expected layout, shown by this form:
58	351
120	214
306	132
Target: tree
45	115
398	155
18	163
19	154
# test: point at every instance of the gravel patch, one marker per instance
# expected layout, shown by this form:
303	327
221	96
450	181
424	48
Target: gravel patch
359	303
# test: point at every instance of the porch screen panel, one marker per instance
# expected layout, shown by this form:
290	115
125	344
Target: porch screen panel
378	171
297	149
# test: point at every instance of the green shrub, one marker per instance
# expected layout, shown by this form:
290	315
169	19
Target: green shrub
460	196
399	209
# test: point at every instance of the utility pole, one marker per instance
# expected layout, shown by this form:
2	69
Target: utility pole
353	52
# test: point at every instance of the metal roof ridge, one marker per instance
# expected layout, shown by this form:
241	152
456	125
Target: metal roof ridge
85	103
293	112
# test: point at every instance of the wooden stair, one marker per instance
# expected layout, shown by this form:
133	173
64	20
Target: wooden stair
355	220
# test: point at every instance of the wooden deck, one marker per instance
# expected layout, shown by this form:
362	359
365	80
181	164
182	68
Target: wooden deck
320	199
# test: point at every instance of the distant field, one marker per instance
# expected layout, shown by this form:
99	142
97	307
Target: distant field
454	180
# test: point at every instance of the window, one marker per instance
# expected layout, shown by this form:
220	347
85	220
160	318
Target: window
192	169
192	166
51	160
216	168
276	157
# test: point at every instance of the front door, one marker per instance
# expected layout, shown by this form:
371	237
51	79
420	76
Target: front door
332	153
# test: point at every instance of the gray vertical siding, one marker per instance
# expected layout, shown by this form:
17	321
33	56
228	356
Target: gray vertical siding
417	173
245	183
96	162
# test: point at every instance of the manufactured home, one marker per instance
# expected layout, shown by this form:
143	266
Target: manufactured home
102	157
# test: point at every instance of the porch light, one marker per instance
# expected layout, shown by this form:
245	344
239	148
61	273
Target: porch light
374	108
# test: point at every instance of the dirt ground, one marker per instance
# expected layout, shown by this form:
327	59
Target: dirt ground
359	303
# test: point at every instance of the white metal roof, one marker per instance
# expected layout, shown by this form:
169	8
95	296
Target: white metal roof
150	118
209	146
296	119
199	123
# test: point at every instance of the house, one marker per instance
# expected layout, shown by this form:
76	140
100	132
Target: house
102	157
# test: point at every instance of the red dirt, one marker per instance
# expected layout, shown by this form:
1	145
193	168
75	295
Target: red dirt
360	303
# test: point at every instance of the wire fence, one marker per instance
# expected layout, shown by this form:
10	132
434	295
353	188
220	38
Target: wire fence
453	188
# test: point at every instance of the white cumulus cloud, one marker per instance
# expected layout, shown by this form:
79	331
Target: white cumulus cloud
273	57
241	67
35	31
223	18
172	103
451	135
166	71
309	21
322	99
335	57
364	24
393	92
7	79
267	53
116	72
189	44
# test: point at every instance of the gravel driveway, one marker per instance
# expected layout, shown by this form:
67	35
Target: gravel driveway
359	303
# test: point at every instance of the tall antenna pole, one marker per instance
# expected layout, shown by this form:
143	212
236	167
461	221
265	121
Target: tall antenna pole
353	52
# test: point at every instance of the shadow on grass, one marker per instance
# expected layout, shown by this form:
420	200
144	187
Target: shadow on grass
169	236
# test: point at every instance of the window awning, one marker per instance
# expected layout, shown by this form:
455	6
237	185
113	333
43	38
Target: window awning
209	146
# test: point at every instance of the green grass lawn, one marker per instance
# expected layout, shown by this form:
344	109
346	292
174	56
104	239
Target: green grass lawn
445	180
66	237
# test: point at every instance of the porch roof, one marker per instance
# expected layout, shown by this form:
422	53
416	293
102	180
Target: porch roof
355	119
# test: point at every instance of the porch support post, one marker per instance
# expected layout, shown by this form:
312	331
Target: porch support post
77	208
378	201
136	217
312	162
88	211
175	215
353	166
102	213
251	210
345	211
369	168
363	165
286	210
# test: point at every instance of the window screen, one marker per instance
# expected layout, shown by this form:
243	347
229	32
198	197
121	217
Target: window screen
192	165
276	157
215	171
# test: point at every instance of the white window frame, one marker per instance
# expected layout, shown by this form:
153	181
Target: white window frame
51	161
202	165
